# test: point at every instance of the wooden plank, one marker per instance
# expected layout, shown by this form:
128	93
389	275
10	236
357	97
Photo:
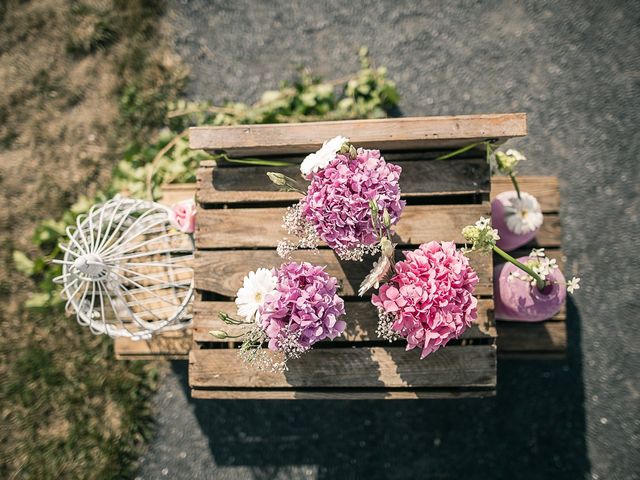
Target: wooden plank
544	188
174	345
251	184
342	394
361	318
222	271
262	227
177	192
537	337
388	367
385	134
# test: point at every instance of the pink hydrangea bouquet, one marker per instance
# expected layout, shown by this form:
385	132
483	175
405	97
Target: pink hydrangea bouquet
287	309
351	203
429	299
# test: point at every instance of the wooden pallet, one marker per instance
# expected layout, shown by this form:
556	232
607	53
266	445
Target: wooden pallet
239	225
542	340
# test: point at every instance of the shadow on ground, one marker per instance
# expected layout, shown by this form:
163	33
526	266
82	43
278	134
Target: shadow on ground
517	434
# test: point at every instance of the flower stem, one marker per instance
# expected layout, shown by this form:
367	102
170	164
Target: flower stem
540	283
459	151
229	320
515	184
253	161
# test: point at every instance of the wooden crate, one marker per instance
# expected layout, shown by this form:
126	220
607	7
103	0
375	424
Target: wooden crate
543	340
239	224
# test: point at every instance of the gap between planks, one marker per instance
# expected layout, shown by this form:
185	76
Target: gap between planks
341	394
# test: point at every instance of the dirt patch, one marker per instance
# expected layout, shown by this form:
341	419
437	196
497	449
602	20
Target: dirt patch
68	408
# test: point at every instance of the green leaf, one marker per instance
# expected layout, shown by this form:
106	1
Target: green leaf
37	300
23	263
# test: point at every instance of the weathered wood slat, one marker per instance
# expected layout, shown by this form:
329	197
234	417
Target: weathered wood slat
261	227
536	338
174	193
384	134
383	367
172	345
251	184
222	271
544	188
361	318
342	394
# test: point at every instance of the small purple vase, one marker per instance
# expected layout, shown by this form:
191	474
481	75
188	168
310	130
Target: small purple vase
508	240
520	301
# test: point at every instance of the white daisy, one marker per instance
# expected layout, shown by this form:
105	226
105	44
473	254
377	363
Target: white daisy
523	215
573	284
317	161
256	286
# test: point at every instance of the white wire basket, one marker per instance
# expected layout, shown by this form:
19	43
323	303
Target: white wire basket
127	271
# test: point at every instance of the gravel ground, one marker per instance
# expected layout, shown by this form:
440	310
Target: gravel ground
574	68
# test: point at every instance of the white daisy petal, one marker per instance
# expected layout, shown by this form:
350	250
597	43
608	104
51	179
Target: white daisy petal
255	288
320	159
523	215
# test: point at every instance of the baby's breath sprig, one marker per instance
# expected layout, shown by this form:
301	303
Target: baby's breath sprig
483	239
507	162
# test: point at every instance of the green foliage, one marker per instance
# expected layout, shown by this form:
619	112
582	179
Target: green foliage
168	159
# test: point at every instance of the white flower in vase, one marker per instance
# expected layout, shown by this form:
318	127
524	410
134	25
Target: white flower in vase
320	159
573	284
256	286
523	215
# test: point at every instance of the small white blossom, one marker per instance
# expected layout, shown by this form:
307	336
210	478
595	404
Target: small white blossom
481	235
519	157
573	284
537	252
523	215
256	286
506	162
320	159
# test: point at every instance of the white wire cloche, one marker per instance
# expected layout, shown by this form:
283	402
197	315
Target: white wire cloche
127	271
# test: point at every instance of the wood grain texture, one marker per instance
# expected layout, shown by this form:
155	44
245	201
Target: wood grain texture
418	179
361	318
262	227
222	271
544	188
538	337
173	345
388	367
385	134
174	193
342	394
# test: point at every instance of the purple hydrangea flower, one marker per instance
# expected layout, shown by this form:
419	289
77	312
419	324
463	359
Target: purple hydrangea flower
304	309
337	203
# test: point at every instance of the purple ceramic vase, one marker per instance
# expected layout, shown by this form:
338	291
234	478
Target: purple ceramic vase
520	301
508	240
